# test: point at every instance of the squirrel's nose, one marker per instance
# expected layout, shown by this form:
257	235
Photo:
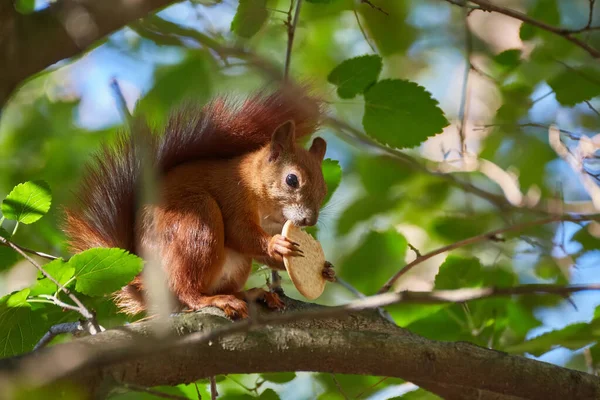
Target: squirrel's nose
309	221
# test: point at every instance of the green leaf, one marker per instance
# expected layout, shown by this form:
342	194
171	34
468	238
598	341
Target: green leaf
459	272
379	174
249	17
279	377
544	11
4	233
401	114
8	258
18	299
332	172
171	391
25	6
576	85
355	75
20	326
547	268
170	89
100	271
509	58
319	1
362	210
407	313
455	228
373	262
419	394
269	394
27	202
388	30
585	238
59	270
572	337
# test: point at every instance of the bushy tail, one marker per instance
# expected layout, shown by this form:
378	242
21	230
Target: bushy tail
105	212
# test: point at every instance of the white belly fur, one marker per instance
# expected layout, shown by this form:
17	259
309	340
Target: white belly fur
236	264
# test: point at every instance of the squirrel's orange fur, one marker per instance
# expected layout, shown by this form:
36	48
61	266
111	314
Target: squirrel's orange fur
224	195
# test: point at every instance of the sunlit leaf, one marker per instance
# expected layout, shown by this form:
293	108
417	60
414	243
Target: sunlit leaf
100	271
27	202
401	113
59	270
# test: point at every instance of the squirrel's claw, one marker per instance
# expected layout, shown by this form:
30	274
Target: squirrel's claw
285	247
328	272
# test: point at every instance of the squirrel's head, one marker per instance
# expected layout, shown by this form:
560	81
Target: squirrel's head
293	177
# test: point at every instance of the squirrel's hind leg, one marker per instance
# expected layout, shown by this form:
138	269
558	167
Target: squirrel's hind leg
192	242
232	306
270	299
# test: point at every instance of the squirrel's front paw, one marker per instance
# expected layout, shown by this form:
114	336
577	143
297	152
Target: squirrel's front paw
280	246
328	272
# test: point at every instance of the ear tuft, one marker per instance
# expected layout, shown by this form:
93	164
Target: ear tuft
318	148
282	140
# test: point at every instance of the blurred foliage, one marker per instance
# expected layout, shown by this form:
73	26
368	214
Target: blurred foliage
393	69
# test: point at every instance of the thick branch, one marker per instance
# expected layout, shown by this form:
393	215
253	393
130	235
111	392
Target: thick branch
454	370
31	43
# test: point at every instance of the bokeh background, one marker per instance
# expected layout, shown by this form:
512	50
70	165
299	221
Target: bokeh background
56	120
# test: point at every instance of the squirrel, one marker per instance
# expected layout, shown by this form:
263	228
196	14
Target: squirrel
229	176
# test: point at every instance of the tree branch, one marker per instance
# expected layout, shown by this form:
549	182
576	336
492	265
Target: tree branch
485	5
31	43
477	239
309	338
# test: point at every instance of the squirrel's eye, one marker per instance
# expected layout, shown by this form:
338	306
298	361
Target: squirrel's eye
292	180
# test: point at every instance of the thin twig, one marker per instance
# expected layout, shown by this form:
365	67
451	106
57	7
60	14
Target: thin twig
373	6
120	98
590	14
571	134
464	102
291	25
213	388
361	295
36	253
477	239
359	396
54	300
486	5
143	389
82	309
67	327
339	387
362	30
591	107
197	391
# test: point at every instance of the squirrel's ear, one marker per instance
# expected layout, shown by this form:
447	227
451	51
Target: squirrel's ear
318	148
282	140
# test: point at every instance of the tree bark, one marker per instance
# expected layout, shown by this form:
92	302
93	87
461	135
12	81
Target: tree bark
358	343
30	43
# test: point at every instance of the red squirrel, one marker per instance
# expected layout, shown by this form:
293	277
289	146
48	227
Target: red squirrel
230	175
